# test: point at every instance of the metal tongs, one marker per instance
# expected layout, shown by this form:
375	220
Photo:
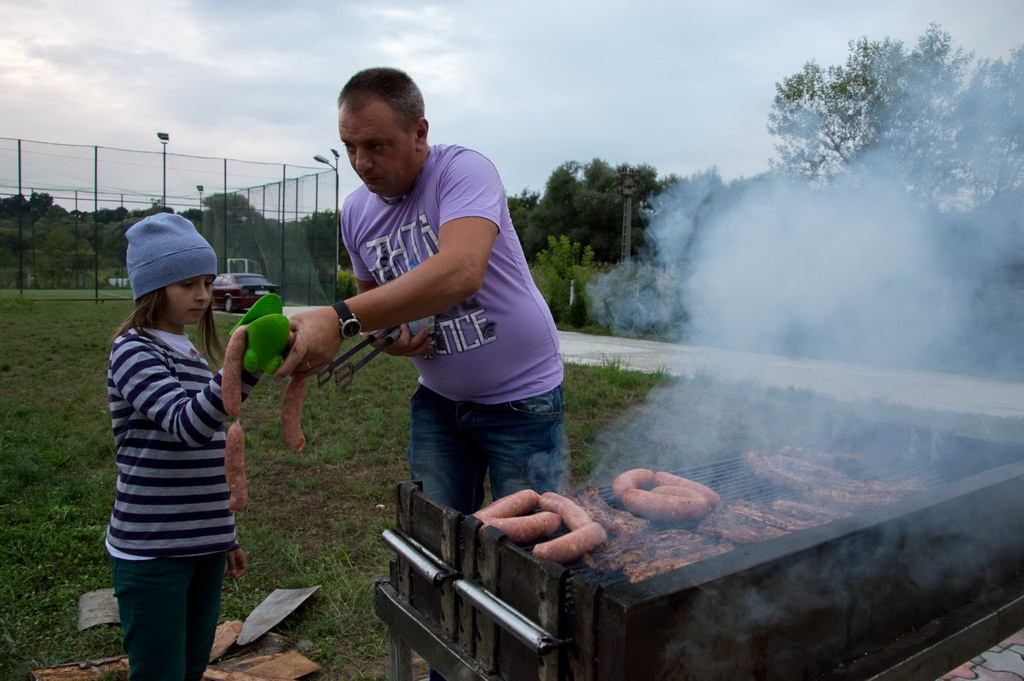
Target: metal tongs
348	369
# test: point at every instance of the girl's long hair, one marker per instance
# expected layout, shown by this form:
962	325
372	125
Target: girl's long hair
149	309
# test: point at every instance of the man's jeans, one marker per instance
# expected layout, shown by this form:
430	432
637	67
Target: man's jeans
453	445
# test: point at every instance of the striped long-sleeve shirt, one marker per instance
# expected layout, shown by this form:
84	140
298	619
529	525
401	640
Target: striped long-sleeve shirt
167	416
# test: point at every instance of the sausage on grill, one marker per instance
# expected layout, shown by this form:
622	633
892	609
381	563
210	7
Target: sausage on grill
527	528
510	506
571	546
572	514
663	478
679	503
637	478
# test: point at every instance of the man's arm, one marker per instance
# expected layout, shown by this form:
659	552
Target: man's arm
443	280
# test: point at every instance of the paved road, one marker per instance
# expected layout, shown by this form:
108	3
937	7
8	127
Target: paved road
845	382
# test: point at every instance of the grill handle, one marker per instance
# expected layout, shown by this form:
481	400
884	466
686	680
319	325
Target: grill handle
429	566
508	617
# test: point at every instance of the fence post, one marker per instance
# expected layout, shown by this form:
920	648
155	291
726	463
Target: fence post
21	230
281	216
95	222
224	268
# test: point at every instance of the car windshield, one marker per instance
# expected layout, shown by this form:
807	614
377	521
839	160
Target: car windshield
251	280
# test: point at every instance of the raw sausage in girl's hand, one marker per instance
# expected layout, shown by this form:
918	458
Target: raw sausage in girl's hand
231	374
234	468
291	413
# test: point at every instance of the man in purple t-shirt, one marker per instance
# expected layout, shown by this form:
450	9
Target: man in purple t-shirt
429	234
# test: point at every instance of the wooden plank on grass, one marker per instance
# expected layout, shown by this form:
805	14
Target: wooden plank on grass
97	607
225	638
82	671
290	665
221	674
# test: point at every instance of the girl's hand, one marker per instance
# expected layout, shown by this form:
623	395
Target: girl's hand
238	564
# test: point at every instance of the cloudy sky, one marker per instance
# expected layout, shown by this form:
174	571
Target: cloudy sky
683	86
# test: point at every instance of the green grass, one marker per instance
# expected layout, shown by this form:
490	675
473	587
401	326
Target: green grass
78	294
314	517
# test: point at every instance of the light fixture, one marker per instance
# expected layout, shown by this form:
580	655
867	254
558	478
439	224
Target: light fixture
337	214
164	139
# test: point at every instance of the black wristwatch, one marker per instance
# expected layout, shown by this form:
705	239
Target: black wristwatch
347	322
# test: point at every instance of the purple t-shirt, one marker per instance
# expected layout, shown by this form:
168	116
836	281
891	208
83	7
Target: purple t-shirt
498	345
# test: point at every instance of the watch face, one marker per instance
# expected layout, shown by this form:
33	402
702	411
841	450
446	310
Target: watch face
351	328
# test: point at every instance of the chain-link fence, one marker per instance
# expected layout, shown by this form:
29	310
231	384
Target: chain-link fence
64	210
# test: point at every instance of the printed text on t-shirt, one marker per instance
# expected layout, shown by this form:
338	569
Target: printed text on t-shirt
461	328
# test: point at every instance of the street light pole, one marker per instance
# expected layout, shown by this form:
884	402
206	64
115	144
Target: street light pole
337	214
164	138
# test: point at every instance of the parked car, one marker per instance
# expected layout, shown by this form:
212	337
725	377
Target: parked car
237	291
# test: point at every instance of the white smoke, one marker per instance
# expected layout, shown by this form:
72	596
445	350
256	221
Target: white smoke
847	274
862	269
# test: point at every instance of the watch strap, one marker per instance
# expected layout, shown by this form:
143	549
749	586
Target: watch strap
348	324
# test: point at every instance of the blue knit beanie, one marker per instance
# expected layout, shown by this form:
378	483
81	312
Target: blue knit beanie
163	249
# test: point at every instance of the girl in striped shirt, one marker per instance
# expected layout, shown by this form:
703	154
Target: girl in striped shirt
171	536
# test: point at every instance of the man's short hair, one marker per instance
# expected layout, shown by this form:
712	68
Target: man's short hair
393	86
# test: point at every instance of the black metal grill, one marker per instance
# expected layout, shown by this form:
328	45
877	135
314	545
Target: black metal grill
904	591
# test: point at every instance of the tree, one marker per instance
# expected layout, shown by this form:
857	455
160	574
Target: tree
918	127
236	229
194	215
110	215
826	117
520	208
584	204
554	210
993	138
32	209
882	98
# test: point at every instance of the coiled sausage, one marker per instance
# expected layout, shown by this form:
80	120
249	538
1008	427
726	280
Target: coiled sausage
673	503
637	478
663	478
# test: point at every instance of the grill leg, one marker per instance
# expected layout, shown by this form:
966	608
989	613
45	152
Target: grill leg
400	656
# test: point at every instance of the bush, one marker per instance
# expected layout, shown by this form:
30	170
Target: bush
558	266
578	312
346	285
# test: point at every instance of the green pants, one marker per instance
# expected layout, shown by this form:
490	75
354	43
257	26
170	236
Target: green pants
169	609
